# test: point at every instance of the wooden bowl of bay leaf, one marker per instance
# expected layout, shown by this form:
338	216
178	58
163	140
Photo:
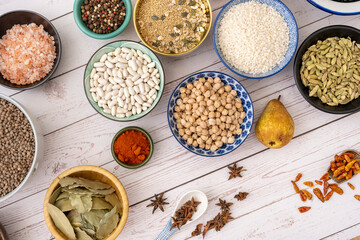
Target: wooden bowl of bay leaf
86	202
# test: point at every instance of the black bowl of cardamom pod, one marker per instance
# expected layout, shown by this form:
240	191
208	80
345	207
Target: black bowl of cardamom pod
327	69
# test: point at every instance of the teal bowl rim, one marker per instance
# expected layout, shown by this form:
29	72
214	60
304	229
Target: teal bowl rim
79	22
134	166
137	116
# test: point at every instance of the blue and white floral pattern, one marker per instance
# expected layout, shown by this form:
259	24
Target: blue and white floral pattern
293	34
246	125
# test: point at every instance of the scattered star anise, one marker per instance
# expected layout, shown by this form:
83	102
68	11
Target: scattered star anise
159	202
184	214
235	171
197	230
241	196
224	206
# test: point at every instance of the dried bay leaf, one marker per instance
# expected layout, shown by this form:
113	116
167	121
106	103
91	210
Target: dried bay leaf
102	191
107	224
61	221
100	203
74	218
67	181
82	235
78	191
64	205
63	195
82	203
55	195
94	217
115	202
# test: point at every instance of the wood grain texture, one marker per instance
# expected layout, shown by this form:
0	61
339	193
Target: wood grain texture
76	135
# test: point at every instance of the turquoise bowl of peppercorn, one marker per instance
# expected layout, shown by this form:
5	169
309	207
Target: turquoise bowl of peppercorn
114	17
147	158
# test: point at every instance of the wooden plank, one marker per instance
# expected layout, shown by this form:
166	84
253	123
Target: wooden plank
348	233
272	203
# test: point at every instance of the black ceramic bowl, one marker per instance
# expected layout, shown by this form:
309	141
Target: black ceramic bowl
322	34
8	20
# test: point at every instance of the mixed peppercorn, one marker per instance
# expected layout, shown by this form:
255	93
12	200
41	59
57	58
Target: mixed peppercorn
103	16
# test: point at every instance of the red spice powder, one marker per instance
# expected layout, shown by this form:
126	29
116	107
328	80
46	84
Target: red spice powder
132	147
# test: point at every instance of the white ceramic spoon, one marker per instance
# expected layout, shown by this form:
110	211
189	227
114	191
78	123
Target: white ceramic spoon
198	196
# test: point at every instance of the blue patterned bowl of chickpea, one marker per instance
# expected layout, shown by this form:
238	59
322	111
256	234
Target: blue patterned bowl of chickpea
210	114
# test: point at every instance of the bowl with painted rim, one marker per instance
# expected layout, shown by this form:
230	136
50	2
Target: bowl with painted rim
82	26
293	37
339	7
137	20
132	166
245	126
39	146
322	34
8	20
110	47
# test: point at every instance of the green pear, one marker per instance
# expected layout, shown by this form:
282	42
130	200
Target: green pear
275	127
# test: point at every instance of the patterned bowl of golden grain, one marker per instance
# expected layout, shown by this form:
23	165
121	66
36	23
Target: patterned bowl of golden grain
172	27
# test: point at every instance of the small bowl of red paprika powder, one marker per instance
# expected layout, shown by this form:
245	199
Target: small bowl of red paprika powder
132	147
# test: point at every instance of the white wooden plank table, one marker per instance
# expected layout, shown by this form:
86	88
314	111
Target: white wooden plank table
76	135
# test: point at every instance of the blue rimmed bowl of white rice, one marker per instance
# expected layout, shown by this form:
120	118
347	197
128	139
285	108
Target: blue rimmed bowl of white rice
255	38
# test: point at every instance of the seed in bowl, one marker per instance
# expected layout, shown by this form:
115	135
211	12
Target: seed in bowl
208	114
104	17
124	82
173	26
331	70
253	37
27	54
17	147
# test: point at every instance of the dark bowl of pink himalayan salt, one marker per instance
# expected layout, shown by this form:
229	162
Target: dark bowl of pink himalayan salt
7	21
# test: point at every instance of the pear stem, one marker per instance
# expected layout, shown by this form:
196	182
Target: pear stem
279	98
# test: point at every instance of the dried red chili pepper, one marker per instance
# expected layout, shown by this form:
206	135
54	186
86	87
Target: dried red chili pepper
298	177
302	196
296	188
325	177
304	209
319	194
326	187
328	196
357	197
351	186
309	184
336	188
307	194
319	182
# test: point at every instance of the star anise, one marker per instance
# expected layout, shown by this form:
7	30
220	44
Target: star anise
197	230
241	196
159	202
224	206
235	171
226	216
184	214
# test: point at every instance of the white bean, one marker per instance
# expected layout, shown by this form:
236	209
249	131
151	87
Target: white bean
147	87
107	111
106	75
126	92
138	99
151	83
139	81
119	74
139	53
133	110
129	83
109	71
150	100
155	80
140	72
114	92
147	58
129	56
120	102
108	87
137	104
103	58
114	72
122	60
151	65
132	100
128	114
136	77
142	97
157	87
136	89
152	92
145	75
131	91
144	108
117	51
157	75
112	103
108	96
138	110
132	72
100	69
125	50
117	80
145	69
154	72
102	101
147	104
154	96
100	92
121	92
94	97
93	71
120	115
142	88
133	65
125	73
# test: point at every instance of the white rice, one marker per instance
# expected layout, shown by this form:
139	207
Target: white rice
253	37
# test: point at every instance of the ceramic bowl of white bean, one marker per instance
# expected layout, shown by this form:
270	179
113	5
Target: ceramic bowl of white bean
124	80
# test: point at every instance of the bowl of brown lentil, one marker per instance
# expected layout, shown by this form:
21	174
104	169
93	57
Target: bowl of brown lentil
102	19
172	27
21	146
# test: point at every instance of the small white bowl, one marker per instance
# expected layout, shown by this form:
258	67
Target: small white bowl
39	148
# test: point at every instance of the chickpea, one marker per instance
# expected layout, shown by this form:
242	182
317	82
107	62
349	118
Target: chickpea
228	100
238	131
209	102
202	80
213	148
179	101
199	98
207	146
221	91
182	106
192	129
203	125
213	137
195	144
214	129
217	87
196	106
238	105
229	134
232	128
225	112
231	139
189	86
182	90
212	108
224	139
179	126
205	132
217	114
223	102
203	89
185	100
203	117
188	92
228	88
206	112
210	80
181	132
198	129
243	115
213	97
209	141
222	126
217	103
188	107
189	141
176	115
219	144
205	138
231	112
207	85
218	138
228	119
201	109
212	122
200	141
223	118
202	145
195	136
187	132
192	96
202	103
233	93
220	109
207	94
227	125
185	137
217	80
211	114
177	109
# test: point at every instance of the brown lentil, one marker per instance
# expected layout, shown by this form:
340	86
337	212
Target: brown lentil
103	16
17	147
